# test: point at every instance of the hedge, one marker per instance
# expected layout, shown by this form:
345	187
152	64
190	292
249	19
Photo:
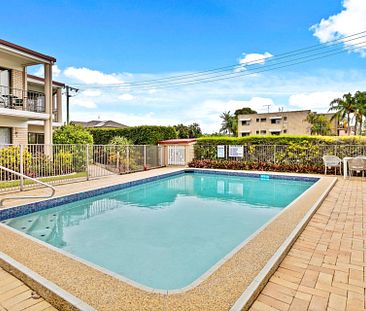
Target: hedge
138	135
282	140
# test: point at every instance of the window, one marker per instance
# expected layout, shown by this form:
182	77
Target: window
285	131
275	121
263	132
35	138
276	133
257	132
263	119
284	118
257	120
244	134
5	136
246	122
4	77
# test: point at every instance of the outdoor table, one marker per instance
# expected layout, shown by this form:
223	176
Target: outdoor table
345	165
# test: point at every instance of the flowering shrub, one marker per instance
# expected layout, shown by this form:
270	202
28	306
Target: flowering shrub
257	166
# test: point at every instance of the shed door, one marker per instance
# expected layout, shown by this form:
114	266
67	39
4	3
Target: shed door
176	155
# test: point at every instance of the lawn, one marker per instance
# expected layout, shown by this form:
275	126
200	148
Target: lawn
16	183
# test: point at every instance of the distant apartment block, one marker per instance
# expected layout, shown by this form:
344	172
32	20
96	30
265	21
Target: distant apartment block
29	106
276	123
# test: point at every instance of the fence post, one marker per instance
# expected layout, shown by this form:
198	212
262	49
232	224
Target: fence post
117	164
87	162
21	168
145	160
335	150
274	154
128	159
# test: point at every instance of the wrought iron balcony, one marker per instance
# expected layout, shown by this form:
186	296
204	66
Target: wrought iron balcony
19	99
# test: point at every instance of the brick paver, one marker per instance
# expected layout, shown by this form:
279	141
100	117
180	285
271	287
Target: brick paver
325	268
15	296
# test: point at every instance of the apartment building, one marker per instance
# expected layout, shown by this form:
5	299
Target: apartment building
29	106
276	123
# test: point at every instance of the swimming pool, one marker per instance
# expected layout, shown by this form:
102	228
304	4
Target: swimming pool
166	233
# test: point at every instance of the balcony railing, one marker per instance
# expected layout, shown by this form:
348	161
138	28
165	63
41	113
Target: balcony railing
19	99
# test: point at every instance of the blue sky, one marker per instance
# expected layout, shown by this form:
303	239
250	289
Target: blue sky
96	42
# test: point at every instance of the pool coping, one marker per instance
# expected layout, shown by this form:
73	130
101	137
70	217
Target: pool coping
215	267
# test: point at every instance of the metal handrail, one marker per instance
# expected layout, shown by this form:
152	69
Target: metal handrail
29	196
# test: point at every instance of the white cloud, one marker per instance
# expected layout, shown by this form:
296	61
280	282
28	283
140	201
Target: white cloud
91	93
83	103
351	20
318	101
248	59
89	76
55	71
126	97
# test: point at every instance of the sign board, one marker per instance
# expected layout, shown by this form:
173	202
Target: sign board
221	151
236	151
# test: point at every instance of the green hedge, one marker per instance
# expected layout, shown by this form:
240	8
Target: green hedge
282	140
138	135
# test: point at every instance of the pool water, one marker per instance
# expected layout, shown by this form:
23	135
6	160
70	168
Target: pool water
167	233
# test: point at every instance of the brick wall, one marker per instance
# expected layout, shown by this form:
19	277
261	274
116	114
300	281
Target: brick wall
17	79
20	136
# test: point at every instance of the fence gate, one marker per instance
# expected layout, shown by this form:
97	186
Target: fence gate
176	155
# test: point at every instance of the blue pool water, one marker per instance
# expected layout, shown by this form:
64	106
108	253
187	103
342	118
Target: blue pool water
163	234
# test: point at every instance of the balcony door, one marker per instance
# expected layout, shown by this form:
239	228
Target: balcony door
4	86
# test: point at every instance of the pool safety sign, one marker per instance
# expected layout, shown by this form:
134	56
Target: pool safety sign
221	151
236	151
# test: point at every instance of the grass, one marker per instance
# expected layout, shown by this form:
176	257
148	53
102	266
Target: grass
16	183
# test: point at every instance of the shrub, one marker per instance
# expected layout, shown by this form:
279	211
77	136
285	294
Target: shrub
257	166
72	134
282	140
138	135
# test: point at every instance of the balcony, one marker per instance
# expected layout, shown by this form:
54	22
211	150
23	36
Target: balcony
20	99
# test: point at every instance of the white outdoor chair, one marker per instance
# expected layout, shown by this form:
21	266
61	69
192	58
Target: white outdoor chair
357	165
332	161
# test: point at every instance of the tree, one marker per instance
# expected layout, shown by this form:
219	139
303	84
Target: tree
359	110
191	131
343	108
245	110
229	123
72	135
319	124
194	130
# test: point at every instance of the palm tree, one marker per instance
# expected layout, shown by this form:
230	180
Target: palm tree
360	108
343	107
228	123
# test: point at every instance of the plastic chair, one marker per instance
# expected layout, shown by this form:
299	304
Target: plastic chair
332	161
357	165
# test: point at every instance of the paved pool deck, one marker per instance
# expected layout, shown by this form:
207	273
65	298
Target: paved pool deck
326	267
217	291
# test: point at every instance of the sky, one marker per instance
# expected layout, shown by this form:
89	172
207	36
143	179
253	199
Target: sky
99	43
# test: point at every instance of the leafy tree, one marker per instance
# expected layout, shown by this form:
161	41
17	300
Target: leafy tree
229	123
73	135
343	108
182	130
320	125
194	130
191	131
245	110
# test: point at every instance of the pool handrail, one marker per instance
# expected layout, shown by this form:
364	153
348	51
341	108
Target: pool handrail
25	196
